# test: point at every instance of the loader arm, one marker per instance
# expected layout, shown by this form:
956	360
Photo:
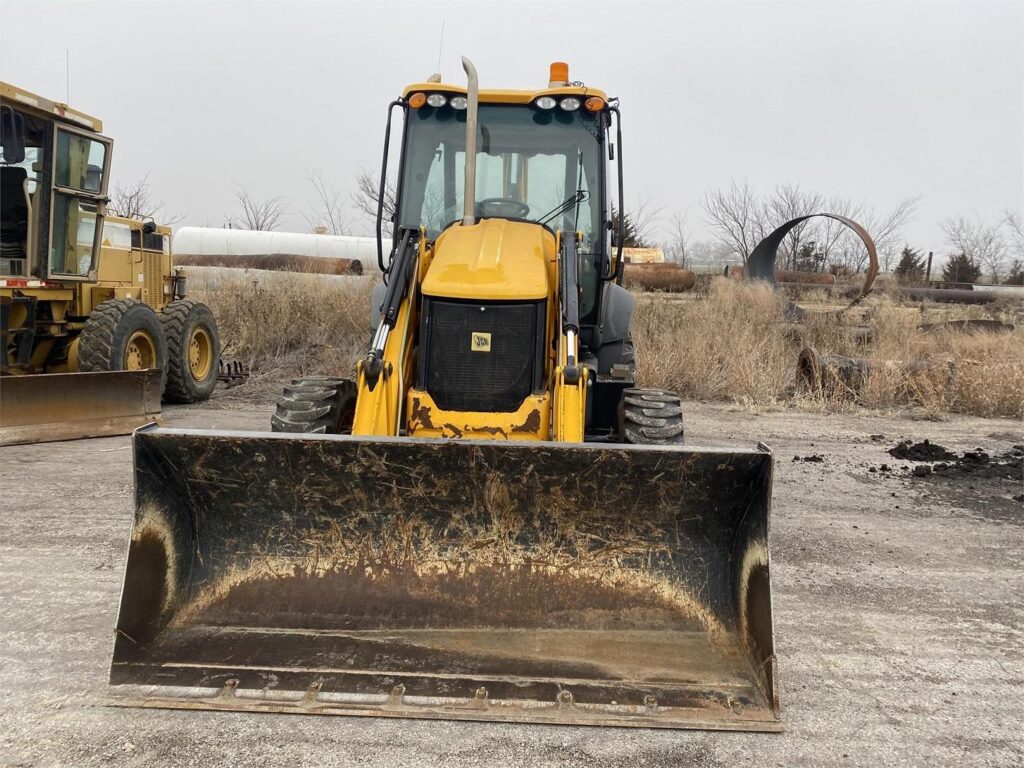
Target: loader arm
383	376
570	375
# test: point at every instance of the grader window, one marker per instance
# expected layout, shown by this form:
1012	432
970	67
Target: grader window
74	231
80	162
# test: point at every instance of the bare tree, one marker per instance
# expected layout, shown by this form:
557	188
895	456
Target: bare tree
367	198
263	215
1014	223
788	202
978	240
329	212
644	217
709	252
736	216
885	228
136	200
676	249
740	219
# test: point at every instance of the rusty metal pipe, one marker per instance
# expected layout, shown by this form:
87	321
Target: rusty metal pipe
947	295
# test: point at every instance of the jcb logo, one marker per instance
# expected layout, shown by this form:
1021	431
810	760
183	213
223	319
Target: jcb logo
481	342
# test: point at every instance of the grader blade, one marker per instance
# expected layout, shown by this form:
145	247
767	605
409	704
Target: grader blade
582	584
41	408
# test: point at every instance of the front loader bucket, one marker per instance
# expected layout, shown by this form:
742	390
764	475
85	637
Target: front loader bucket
592	584
39	408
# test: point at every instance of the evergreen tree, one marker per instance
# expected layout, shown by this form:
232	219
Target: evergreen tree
911	266
1016	276
631	237
961	269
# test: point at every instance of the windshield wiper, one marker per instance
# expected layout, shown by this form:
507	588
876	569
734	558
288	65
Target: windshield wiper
579	196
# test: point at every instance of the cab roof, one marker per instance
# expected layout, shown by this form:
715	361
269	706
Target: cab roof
504	96
39	105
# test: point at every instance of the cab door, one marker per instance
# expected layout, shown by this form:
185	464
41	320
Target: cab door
78	204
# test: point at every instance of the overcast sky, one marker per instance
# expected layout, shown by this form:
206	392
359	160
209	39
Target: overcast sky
874	101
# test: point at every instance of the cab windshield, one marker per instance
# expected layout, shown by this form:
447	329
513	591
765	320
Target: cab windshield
532	165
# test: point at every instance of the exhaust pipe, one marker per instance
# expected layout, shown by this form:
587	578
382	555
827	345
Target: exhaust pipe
472	99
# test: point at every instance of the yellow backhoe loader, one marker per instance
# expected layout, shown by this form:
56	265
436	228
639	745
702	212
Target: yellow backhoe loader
94	324
492	522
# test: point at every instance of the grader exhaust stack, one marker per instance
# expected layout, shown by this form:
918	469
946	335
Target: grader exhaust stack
585	584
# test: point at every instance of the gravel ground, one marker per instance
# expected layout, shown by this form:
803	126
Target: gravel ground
898	618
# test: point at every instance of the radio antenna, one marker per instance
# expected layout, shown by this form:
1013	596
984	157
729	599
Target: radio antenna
440	47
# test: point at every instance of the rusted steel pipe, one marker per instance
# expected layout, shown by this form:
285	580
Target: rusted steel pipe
276	262
817	372
659	277
804	278
946	295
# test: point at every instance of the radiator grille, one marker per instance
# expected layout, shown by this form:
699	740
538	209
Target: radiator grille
153	280
482	357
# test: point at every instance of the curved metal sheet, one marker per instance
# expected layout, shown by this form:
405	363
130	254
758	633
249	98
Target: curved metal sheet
761	262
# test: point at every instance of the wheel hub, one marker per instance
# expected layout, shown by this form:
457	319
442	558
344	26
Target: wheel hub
200	354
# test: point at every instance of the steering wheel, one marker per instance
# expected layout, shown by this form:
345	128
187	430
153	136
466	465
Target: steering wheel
504	208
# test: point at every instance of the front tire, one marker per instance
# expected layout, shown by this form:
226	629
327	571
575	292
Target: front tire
193	351
122	335
651	417
316	406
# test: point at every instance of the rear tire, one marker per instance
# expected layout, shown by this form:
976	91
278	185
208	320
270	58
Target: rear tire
122	335
193	351
316	406
650	417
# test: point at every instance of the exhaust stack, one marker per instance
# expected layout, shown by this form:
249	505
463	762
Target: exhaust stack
472	98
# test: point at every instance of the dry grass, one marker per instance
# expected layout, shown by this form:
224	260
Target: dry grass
295	324
727	346
733	344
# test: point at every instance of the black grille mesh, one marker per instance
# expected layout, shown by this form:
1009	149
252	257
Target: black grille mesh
498	380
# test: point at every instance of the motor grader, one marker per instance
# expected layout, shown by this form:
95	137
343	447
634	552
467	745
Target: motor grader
94	323
492	521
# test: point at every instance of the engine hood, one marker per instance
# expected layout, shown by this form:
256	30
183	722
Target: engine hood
493	259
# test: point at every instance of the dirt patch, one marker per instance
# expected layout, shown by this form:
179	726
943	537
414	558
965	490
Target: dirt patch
984	484
922	451
978	464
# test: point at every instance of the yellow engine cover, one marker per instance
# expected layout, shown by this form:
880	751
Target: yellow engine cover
493	259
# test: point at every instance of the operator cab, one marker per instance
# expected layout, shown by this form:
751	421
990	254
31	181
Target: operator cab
539	159
494	301
53	184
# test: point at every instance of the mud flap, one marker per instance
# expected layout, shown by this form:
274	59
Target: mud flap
41	408
484	580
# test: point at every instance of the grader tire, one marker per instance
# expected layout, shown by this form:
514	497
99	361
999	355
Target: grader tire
193	347
122	334
316	406
650	417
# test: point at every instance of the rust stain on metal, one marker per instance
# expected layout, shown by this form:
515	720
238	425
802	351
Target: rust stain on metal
420	415
531	424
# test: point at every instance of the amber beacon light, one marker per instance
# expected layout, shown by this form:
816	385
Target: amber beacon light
559	74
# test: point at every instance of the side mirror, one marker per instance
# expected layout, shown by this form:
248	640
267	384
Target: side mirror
12	135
